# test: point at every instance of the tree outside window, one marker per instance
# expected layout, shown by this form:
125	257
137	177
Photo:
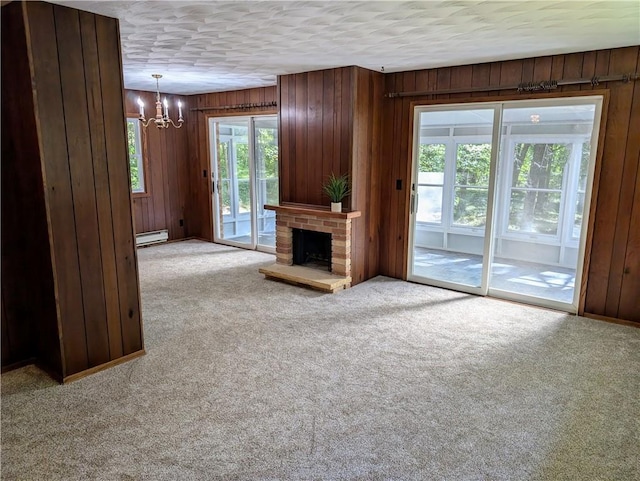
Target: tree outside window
136	167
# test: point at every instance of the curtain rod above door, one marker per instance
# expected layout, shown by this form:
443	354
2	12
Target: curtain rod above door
258	105
522	87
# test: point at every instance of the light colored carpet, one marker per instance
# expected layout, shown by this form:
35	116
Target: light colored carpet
252	379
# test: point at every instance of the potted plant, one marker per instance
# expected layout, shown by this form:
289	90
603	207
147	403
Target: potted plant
336	188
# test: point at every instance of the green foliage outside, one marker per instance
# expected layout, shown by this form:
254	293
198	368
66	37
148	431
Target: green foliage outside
432	157
267	169
535	166
133	158
472	181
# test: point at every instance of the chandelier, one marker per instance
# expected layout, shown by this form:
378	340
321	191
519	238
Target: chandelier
161	119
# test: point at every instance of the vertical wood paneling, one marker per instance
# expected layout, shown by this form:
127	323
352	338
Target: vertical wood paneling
328	115
365	173
316	119
83	187
627	62
600	299
613	276
572	69
338	128
631	282
542	69
315	153
510	74
28	328
300	188
461	77
93	88
54	154
387	193
79	232
108	37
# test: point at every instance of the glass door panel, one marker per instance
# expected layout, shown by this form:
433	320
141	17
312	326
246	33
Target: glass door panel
232	182
545	164
266	162
244	157
452	171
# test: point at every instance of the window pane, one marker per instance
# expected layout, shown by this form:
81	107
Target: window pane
470	207
577	220
244	196
266	142
534	212
540	166
135	155
225	186
472	164
432	158
584	166
429	204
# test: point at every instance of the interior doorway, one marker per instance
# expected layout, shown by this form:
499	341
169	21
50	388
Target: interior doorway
500	196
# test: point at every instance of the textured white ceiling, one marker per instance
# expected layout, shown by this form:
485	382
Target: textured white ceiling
225	45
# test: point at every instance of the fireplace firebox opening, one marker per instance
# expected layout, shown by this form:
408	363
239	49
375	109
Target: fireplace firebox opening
311	248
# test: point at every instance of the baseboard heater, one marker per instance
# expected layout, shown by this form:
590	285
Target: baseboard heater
155	237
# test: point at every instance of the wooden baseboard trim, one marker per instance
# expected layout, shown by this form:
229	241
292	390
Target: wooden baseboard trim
102	367
613	320
18	365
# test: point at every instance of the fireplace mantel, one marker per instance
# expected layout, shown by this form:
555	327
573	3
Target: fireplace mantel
314	210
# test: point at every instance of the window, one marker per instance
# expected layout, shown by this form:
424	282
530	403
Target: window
471	188
536	186
136	165
431	182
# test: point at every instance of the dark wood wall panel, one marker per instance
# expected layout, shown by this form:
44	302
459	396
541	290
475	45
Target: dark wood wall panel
93	86
59	193
166	153
365	173
118	165
26	260
83	187
613	274
73	141
198	217
316	126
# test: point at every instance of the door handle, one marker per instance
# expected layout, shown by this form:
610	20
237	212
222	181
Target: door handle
413	203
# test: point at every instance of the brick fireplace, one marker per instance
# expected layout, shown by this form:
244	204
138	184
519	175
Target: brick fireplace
316	219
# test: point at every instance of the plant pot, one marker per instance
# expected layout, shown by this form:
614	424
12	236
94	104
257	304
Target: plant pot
336	206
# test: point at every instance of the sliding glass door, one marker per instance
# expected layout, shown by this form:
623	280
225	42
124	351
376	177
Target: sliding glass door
244	157
499	194
451	194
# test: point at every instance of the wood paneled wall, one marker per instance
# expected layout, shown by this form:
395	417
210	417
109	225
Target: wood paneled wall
27	273
78	107
165	151
199	211
613	274
315	132
330	122
365	173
